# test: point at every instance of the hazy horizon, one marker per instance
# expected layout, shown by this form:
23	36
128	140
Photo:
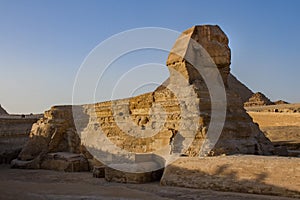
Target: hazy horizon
43	44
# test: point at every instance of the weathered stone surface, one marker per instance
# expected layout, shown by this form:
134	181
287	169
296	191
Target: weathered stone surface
113	175
240	134
212	39
59	161
246	174
56	131
258	99
14	131
65	161
53	133
30	164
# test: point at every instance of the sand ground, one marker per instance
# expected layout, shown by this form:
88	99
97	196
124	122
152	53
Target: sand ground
272	119
281	128
52	185
20	184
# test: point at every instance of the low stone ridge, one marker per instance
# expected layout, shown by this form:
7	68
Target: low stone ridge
65	161
113	175
258	99
246	174
59	161
56	131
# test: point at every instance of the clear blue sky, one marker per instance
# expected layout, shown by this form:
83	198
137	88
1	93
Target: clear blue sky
43	43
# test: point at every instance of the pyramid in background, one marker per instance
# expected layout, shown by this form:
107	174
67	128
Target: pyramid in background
2	111
258	99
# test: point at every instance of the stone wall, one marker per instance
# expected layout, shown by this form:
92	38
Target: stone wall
14	132
246	174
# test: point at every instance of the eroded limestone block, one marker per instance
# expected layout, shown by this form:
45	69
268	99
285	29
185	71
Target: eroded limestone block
121	176
65	161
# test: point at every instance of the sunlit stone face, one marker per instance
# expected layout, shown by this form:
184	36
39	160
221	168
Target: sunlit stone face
214	40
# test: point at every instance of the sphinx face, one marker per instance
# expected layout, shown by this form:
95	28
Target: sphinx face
214	40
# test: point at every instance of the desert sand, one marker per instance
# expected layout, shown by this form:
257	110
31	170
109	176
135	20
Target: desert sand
52	185
281	127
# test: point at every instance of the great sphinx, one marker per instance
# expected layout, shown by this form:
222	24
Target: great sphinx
57	132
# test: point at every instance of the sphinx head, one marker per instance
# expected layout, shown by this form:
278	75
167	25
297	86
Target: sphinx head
212	39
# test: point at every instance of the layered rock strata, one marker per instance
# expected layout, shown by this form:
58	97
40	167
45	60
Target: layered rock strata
14	132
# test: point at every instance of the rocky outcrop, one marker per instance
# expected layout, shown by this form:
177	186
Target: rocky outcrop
179	102
258	99
54	144
55	132
244	174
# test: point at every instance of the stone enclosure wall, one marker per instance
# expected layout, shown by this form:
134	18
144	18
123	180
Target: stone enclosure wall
14	132
246	174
